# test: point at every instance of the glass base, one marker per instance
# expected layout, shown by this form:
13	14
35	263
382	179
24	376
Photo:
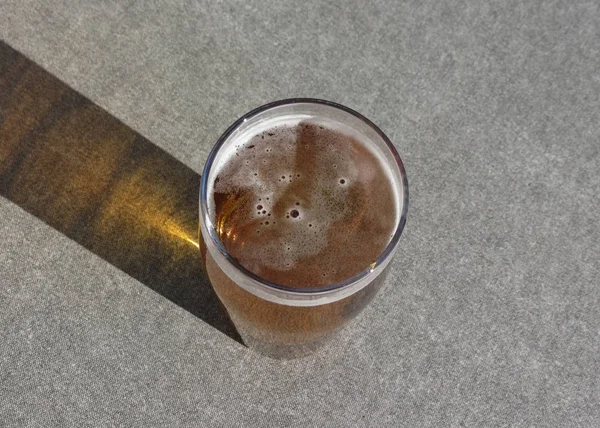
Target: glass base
281	351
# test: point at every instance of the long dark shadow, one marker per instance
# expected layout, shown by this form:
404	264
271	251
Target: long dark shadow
74	166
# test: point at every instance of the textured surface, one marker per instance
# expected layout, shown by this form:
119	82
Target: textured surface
491	316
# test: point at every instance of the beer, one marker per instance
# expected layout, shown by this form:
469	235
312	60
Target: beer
301	206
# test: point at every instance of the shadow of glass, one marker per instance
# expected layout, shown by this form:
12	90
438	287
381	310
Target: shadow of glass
88	175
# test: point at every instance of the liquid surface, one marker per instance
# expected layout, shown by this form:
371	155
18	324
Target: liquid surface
304	205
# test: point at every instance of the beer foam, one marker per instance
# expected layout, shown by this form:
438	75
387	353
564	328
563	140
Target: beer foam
302	203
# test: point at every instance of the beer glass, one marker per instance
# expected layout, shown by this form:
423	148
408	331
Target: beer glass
283	321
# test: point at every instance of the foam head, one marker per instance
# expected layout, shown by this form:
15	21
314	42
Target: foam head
303	202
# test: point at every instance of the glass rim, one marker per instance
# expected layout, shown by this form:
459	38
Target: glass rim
307	291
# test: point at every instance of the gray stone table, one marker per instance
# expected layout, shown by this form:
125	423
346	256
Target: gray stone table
491	314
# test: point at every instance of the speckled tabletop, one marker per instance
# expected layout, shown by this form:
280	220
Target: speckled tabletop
491	313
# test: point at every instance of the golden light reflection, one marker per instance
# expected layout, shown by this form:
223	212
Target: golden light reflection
147	206
194	243
175	230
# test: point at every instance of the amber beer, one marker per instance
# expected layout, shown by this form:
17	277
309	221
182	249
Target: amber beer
302	205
